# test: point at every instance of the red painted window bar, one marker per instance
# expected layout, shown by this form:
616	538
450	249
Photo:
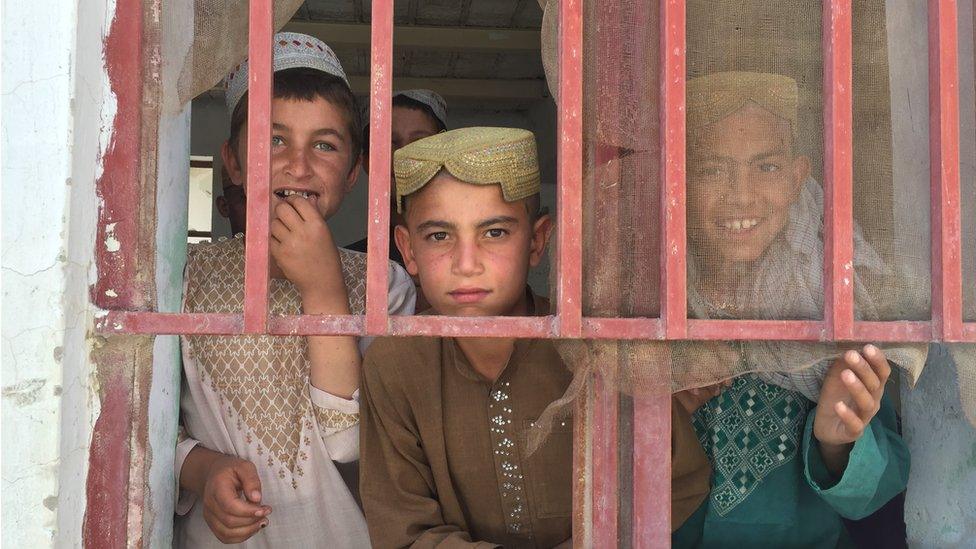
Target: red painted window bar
651	474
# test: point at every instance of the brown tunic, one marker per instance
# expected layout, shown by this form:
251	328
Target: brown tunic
442	450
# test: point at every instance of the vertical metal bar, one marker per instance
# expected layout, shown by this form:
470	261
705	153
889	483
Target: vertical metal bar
380	119
652	467
259	77
570	171
582	471
944	174
674	307
604	456
838	171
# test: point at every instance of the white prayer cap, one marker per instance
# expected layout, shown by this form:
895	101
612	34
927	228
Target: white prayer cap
291	50
429	98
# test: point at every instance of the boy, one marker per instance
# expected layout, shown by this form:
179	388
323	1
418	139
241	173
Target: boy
266	416
416	114
792	453
444	419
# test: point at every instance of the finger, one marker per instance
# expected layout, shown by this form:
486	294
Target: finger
856	363
278	229
878	361
286	212
227	501
250	481
852	423
304	207
229	522
866	403
240	534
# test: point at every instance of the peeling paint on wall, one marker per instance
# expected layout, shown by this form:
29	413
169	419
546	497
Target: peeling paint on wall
112	244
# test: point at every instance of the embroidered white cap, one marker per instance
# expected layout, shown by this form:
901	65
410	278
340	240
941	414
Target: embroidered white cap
429	98
291	50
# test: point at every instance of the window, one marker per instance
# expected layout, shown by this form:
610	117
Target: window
597	457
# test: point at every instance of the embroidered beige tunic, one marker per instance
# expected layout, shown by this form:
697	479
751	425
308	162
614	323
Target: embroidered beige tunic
250	397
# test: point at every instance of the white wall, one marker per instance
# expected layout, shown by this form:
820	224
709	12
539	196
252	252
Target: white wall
43	325
940	509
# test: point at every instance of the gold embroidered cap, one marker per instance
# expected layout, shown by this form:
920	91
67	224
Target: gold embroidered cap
713	97
480	156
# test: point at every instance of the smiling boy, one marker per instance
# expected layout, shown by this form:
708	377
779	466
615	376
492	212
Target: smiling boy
793	453
444	419
265	417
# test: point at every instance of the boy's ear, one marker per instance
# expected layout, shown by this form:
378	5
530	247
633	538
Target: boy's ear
541	231
222	206
801	171
353	174
231	164
402	237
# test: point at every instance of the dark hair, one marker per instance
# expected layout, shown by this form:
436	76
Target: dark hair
306	84
406	103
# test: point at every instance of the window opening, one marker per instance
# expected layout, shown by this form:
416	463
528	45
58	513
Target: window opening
201	200
838	324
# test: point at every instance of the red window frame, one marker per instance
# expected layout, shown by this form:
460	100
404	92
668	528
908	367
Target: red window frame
651	472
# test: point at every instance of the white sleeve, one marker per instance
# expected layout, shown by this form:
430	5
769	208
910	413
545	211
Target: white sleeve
401	301
403	293
338	423
184	498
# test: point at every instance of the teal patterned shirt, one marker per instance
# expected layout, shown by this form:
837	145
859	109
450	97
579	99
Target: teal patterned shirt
770	487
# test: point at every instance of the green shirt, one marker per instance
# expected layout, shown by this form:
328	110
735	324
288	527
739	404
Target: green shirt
770	487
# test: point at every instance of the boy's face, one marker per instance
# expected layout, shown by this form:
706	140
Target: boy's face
471	250
311	153
742	179
409	125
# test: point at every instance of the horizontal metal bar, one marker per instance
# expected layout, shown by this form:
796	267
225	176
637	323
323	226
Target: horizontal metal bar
797	330
623	328
135	322
452	326
292	325
893	331
126	322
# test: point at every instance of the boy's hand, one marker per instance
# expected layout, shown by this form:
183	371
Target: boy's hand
302	246
232	517
849	399
692	399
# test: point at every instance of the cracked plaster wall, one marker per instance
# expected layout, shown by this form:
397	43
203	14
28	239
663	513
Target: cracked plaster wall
42	329
940	508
